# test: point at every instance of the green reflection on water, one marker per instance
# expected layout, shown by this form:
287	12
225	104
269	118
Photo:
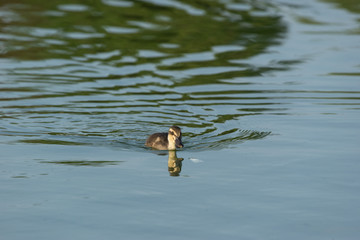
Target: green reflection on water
123	71
156	25
349	5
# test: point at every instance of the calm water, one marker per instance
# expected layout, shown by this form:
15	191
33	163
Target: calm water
267	94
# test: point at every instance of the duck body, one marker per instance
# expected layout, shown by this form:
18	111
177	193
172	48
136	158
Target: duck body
166	141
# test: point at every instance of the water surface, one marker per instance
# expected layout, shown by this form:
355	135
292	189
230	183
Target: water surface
267	95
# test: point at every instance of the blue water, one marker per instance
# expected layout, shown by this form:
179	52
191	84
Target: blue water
267	95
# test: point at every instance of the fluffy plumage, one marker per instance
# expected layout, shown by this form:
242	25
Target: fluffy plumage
166	141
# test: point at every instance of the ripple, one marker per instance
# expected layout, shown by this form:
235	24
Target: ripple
73	7
118	3
178	5
120	30
125	74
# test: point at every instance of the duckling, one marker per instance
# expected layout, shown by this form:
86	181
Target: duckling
166	141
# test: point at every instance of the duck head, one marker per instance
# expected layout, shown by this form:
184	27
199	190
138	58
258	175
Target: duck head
174	138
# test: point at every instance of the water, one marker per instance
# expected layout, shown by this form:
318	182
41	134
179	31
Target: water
267	95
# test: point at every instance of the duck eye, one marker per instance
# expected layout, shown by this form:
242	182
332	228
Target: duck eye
172	133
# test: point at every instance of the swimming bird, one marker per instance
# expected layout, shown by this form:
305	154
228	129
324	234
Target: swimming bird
166	141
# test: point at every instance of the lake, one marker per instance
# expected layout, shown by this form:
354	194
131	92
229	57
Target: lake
267	94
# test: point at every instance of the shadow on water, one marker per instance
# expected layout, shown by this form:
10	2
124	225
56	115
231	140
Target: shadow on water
84	163
127	69
174	163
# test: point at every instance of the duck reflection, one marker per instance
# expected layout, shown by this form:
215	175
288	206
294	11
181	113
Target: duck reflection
174	164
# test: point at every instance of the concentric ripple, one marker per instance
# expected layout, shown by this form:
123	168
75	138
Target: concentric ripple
111	72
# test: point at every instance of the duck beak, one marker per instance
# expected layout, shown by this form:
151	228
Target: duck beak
178	143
